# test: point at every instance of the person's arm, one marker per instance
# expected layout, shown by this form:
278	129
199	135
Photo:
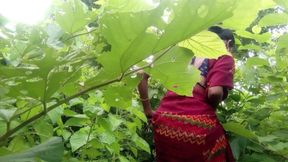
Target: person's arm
143	92
215	95
220	80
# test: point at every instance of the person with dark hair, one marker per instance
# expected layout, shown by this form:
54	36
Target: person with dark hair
186	129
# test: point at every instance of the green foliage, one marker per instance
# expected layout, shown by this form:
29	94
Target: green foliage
50	151
74	76
205	44
175	72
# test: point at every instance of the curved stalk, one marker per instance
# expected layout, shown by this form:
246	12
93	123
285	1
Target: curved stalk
46	110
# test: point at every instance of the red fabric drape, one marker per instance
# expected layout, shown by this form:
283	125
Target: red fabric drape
186	129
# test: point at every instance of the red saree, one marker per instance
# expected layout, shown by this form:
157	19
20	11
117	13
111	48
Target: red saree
186	129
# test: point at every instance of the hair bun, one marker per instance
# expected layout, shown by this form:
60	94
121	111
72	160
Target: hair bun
224	34
216	29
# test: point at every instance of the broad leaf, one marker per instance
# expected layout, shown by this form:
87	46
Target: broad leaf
118	96
241	18
274	19
52	150
123	159
6	114
141	143
73	17
256	61
107	137
130	5
44	129
175	72
262	38
282	3
80	138
205	44
238	129
135	36
114	121
282	45
268	138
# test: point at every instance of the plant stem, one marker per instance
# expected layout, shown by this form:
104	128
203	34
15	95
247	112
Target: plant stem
89	134
8	126
23	112
77	35
42	113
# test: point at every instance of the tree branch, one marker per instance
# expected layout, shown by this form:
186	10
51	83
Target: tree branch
77	35
42	113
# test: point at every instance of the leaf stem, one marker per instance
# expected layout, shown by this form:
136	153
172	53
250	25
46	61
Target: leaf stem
8	126
42	113
89	134
77	35
23	112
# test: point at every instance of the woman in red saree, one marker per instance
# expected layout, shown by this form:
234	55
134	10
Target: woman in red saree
186	129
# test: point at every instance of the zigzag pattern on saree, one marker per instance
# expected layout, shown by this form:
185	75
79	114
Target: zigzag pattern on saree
199	120
180	135
219	146
221	143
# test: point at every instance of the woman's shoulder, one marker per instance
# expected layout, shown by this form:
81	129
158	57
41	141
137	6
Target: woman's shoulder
226	57
223	59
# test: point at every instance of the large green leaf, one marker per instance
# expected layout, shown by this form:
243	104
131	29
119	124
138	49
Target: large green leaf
3	90
129	5
55	114
242	18
268	138
118	96
205	44
18	144
262	38
44	129
107	137
255	157
238	145
175	72
141	143
7	114
238	129
274	19
73	17
135	36
114	121
282	45
45	75
282	3
256	61
52	150
79	138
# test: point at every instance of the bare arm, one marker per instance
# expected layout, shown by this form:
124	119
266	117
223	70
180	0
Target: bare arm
143	92
215	95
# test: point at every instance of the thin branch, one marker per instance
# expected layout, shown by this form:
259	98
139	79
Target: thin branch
77	35
23	112
89	134
42	113
150	64
8	126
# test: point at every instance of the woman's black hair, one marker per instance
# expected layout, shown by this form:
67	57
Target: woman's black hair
224	34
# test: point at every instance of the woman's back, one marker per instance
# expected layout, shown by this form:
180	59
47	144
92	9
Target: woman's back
186	128
216	72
